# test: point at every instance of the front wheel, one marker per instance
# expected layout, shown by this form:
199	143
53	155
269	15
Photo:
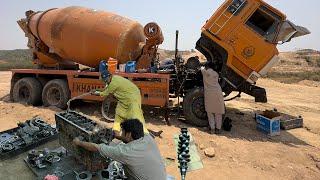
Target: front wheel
194	108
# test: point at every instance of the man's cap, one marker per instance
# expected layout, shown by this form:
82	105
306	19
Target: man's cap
103	69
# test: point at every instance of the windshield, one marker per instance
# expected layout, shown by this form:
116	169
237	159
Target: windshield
289	30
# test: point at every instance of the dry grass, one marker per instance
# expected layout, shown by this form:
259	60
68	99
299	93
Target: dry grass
15	59
294	77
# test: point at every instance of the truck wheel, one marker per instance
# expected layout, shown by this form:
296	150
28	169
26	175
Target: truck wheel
56	93
27	91
108	108
194	109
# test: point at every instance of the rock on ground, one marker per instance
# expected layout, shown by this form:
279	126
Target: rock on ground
210	152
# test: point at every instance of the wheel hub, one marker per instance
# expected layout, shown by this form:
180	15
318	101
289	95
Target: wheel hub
54	96
24	94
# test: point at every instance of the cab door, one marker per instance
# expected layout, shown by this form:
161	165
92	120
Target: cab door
251	41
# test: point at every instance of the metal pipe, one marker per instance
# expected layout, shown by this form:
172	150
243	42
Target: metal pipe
176	49
77	97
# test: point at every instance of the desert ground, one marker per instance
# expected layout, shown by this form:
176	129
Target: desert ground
243	153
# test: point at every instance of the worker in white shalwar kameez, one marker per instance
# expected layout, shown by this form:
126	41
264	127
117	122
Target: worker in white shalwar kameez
213	97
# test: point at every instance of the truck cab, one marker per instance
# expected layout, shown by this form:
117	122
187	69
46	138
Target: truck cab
241	39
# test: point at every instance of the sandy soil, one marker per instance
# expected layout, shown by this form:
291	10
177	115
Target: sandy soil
243	153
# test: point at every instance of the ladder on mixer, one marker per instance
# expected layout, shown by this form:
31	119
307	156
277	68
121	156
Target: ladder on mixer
224	14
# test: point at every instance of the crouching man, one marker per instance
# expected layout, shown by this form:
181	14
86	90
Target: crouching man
138	153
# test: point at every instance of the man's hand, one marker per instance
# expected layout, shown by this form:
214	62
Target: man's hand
95	92
76	141
86	145
103	125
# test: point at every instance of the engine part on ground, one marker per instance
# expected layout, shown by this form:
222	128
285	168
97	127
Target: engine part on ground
67	167
115	171
62	164
56	37
43	158
183	152
85	175
7	147
5	137
72	124
27	135
36	158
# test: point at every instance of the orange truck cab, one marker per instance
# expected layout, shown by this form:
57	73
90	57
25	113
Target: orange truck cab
241	38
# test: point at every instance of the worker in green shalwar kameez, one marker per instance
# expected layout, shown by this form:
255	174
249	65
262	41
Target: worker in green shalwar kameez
127	94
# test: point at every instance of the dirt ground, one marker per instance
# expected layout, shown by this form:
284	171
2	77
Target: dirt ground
243	153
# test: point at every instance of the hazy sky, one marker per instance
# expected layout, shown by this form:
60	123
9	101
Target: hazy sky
187	16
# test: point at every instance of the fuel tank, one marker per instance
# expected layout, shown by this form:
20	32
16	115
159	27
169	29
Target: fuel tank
86	36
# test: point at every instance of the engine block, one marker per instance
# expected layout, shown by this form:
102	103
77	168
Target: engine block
72	124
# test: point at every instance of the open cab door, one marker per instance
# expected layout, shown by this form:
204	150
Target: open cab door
288	31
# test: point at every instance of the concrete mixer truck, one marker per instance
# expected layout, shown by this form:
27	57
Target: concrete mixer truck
240	38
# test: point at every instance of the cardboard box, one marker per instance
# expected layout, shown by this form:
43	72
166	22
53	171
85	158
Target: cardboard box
269	122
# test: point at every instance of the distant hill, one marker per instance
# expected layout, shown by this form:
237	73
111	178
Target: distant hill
293	67
297	66
18	58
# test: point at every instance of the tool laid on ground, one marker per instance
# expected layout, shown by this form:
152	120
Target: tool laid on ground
27	135
183	152
84	175
41	159
56	162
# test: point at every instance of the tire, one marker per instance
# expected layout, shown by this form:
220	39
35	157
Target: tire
56	93
194	109
108	108
27	91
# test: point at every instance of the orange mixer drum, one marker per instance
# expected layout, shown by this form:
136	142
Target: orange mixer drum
86	35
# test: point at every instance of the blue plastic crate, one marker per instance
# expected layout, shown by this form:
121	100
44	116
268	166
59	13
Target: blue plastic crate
268	126
131	67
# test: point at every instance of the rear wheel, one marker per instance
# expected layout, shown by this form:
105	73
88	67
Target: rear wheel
56	93
194	108
27	91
